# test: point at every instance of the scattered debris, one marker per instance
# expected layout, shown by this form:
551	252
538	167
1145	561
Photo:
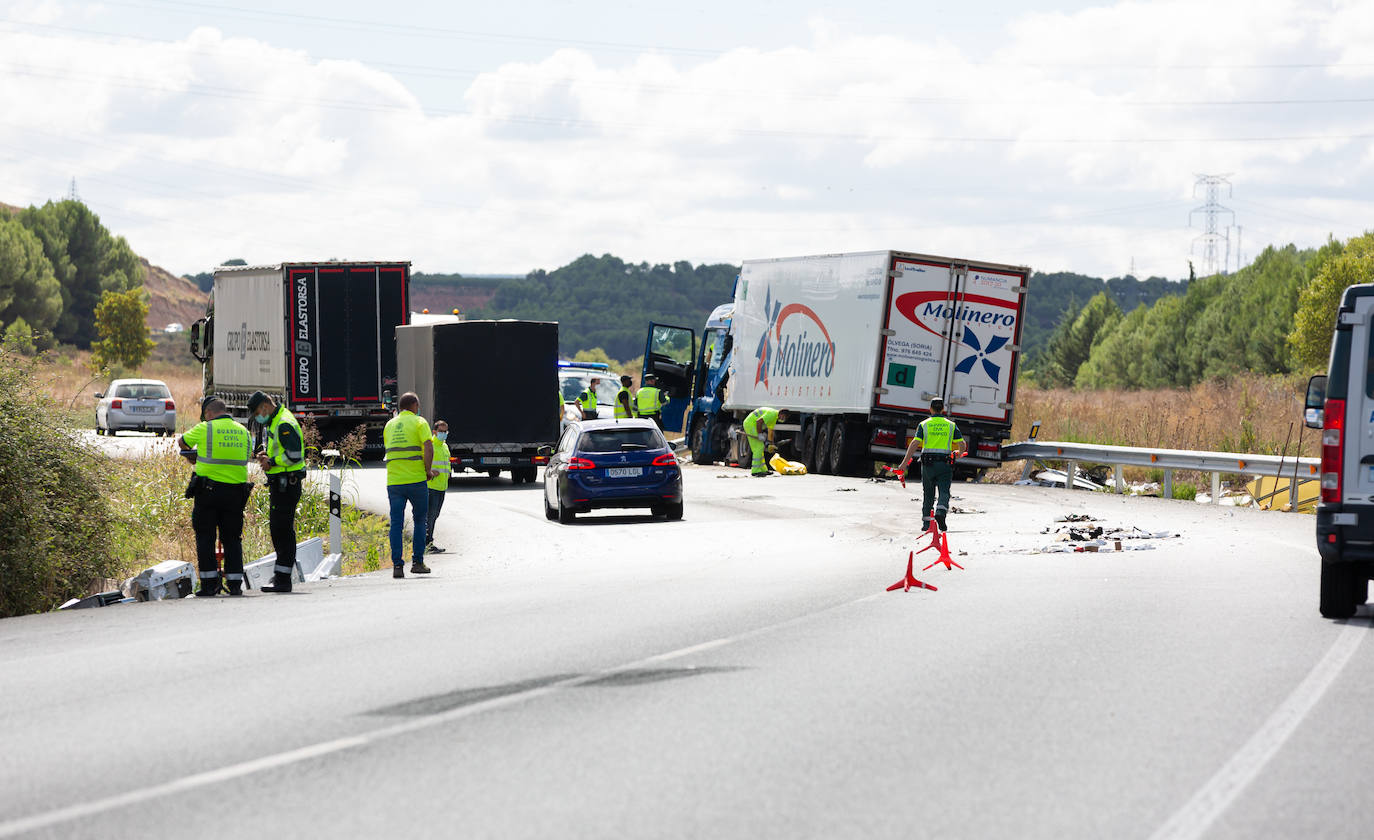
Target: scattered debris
846	489
1056	478
957	509
1076	517
168	579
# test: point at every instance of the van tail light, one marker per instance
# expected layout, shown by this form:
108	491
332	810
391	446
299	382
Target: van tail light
580	464
1333	449
667	459
169	405
116	403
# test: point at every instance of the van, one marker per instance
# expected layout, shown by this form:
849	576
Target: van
1341	404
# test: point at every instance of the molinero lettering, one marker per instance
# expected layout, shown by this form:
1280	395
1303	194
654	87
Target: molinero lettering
799	357
963	313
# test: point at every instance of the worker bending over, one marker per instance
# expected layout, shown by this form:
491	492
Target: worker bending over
759	428
938	440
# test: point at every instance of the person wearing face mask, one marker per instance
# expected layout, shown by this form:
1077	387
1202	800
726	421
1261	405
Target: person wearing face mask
282	458
438	486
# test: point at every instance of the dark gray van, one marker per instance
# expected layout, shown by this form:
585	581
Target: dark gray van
1341	404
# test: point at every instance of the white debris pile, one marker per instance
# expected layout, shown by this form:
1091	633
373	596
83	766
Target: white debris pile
1081	533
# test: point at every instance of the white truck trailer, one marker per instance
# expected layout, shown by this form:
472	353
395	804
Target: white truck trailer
855	345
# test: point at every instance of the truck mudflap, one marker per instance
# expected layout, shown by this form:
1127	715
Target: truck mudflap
1345	532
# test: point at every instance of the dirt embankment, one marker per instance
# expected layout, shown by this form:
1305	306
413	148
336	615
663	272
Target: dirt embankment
171	299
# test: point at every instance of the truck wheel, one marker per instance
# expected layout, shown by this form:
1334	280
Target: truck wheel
493	473
808	436
1341	583
839	447
522	475
824	433
699	442
565	514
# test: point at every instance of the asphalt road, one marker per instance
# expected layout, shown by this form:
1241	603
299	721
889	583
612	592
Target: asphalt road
739	674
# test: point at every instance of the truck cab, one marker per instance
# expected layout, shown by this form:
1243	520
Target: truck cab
1341	404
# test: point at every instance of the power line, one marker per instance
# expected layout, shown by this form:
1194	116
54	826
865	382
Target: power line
1210	239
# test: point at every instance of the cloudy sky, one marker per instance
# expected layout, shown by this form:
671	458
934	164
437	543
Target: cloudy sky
503	137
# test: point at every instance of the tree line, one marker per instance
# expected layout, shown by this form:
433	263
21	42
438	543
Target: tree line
1273	316
65	279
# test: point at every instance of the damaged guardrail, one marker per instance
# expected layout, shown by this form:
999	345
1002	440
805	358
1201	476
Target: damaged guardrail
1300	470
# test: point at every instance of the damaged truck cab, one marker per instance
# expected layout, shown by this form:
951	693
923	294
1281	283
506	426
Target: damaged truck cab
1341	404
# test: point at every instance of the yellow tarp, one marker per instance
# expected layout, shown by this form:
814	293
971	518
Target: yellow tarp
1260	489
786	467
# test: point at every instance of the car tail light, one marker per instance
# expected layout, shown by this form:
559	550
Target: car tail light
116	403
580	464
169	405
885	437
1333	449
667	459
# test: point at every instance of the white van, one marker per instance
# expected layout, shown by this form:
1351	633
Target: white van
1341	404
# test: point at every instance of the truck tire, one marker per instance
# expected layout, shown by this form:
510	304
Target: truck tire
493	473
839	447
522	475
824	433
699	443
808	437
1341	583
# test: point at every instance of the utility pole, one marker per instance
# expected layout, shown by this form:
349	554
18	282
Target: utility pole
1210	238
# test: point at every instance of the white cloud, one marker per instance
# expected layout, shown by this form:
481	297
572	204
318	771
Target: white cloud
211	146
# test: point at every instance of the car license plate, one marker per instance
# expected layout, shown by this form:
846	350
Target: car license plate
349	412
141	409
624	472
495	459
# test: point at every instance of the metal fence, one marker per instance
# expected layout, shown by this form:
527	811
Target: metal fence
1299	470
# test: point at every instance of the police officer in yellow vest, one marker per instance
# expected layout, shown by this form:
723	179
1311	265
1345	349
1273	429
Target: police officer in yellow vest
586	401
939	442
220	492
409	467
624	403
438	486
758	427
649	401
281	454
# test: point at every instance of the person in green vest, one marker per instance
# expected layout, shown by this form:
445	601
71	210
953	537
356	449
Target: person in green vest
758	427
219	447
650	400
586	401
409	467
624	403
438	485
281	454
939	441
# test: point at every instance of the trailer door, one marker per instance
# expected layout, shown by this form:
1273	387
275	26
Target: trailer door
670	355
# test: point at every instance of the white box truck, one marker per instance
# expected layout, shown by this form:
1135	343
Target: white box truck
855	345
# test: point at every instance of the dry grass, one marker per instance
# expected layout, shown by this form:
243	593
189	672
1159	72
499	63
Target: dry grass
1258	415
74	387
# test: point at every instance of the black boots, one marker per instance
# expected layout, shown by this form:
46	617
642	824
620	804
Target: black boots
280	584
209	587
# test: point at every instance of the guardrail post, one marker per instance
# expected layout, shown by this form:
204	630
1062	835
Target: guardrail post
1168	484
1070	468
1293	493
1118	480
1216	488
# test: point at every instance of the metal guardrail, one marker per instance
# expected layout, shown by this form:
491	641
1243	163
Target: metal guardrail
1300	470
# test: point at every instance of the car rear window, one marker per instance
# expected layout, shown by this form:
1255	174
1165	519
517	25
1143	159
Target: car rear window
142	391
620	440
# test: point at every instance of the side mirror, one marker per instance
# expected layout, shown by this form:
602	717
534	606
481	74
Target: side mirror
100	395
1314	406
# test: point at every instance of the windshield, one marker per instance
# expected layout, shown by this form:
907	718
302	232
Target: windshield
573	384
142	391
620	440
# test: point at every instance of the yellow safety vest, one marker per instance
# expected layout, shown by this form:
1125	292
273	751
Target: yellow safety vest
622	410
283	459
405	436
937	434
587	399
768	416
222	450
441	463
648	401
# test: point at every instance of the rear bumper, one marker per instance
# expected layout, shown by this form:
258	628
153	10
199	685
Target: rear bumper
1345	533
587	497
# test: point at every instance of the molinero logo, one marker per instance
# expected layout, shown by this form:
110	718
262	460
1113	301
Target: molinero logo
789	348
994	318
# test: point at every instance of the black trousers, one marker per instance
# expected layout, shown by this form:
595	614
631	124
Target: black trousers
436	504
218	511
283	495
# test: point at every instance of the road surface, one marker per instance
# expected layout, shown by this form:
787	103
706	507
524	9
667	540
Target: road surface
739	674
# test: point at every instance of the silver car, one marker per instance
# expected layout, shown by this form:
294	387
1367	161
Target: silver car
136	405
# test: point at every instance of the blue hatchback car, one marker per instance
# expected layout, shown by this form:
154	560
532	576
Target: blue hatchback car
612	464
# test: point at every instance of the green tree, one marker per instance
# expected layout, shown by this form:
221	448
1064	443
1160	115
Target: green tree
1315	320
122	322
19	337
1071	346
86	260
596	354
28	287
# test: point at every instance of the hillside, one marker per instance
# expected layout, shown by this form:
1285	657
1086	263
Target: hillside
171	299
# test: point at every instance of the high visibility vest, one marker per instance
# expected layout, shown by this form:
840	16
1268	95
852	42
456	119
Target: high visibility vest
441	463
937	434
587	399
284	459
768	416
222	449
647	401
405	436
622	409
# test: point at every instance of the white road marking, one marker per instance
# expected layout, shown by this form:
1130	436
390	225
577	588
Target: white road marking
1213	798
48	819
